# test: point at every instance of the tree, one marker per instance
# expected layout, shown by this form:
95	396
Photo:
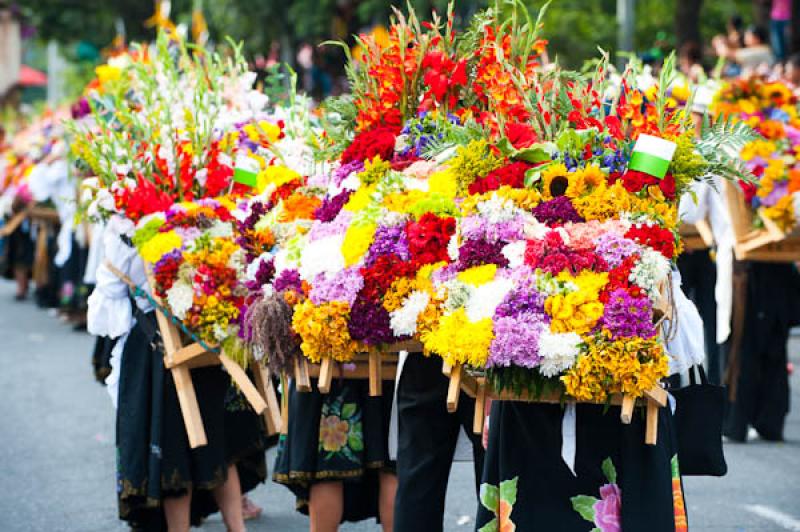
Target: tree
687	21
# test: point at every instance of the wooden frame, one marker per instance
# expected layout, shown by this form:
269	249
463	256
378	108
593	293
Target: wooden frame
697	236
769	244
376	365
181	358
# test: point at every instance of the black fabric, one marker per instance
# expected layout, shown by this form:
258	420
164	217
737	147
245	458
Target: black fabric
101	357
20	249
698	280
427	437
339	436
525	443
699	411
154	460
761	379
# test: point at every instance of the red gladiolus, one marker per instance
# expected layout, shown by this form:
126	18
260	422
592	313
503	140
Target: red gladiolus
520	135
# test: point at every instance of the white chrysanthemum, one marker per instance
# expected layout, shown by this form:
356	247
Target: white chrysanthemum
404	320
484	299
650	271
515	253
323	255
796	205
179	298
458	293
558	351
452	247
220	229
498	209
534	229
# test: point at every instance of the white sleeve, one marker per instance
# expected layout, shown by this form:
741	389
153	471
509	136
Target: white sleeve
691	211
687	345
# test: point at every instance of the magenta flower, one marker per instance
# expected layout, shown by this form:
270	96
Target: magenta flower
607	511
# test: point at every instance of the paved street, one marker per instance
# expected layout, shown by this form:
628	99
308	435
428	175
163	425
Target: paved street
57	450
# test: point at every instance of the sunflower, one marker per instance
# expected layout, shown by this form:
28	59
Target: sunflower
554	181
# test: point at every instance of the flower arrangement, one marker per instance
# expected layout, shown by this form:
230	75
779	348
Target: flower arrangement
771	109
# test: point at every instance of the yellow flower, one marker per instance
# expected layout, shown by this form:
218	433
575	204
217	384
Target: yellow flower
402	201
444	183
276	175
323	330
397	292
478	275
158	246
106	73
360	199
593	176
458	340
357	241
782	213
472	161
577	311
333	433
576	185
554	179
374	170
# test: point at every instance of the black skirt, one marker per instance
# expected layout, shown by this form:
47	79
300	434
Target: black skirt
154	459
340	436
620	483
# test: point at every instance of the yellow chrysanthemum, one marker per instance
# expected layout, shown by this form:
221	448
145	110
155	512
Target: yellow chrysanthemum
158	246
276	176
357	241
460	341
444	183
374	170
402	201
478	275
360	199
577	311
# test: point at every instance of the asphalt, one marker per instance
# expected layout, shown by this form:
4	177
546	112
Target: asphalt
57	450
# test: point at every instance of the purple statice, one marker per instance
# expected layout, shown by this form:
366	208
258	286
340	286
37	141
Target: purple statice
341	173
445	273
330	207
615	248
516	341
389	239
474	227
479	252
778	191
370	323
264	275
557	211
288	280
522	301
343	285
338	226
626	316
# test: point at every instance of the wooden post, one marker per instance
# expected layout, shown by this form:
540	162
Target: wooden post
480	408
41	260
301	380
651	433
272	414
239	376
454	389
285	404
375	373
325	375
628	403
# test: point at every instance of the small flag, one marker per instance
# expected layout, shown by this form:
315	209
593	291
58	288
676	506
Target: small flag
652	155
246	171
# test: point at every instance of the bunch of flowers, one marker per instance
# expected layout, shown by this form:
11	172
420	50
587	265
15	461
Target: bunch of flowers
771	109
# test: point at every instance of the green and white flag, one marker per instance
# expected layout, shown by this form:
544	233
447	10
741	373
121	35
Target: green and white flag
652	155
246	171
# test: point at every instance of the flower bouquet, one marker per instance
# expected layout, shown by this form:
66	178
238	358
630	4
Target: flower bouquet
763	211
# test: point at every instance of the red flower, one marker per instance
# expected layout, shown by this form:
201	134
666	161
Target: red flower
619	278
749	190
634	181
511	175
382	273
428	238
442	75
520	135
667	186
367	144
658	238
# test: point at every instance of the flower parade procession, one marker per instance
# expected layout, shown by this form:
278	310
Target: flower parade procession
467	252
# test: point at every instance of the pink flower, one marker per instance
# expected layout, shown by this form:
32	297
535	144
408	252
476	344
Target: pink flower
608	509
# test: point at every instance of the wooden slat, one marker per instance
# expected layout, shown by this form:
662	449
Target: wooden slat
325	375
301	379
657	394
190	410
626	414
239	376
454	388
185	354
375	377
205	360
356	370
480	408
285	404
13	223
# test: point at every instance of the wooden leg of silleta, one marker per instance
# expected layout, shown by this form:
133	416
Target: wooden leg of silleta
301	379
239	376
375	373
325	375
651	433
454	388
189	407
272	414
628	402
480	408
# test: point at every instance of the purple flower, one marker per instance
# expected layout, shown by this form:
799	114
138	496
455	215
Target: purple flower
615	248
288	280
478	227
520	302
338	226
341	173
369	323
516	341
556	211
478	252
607	511
389	239
778	191
340	286
264	274
626	316
330	207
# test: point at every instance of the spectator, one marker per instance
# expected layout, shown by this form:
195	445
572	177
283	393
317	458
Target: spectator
792	71
755	55
690	62
780	15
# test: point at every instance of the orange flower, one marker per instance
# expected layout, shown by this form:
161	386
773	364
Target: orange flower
333	433
298	206
505	524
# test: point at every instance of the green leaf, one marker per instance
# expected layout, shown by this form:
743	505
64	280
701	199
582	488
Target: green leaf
584	505
609	471
355	443
348	410
491	526
532	176
490	497
533	155
508	491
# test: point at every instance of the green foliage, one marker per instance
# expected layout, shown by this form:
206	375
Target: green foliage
720	145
